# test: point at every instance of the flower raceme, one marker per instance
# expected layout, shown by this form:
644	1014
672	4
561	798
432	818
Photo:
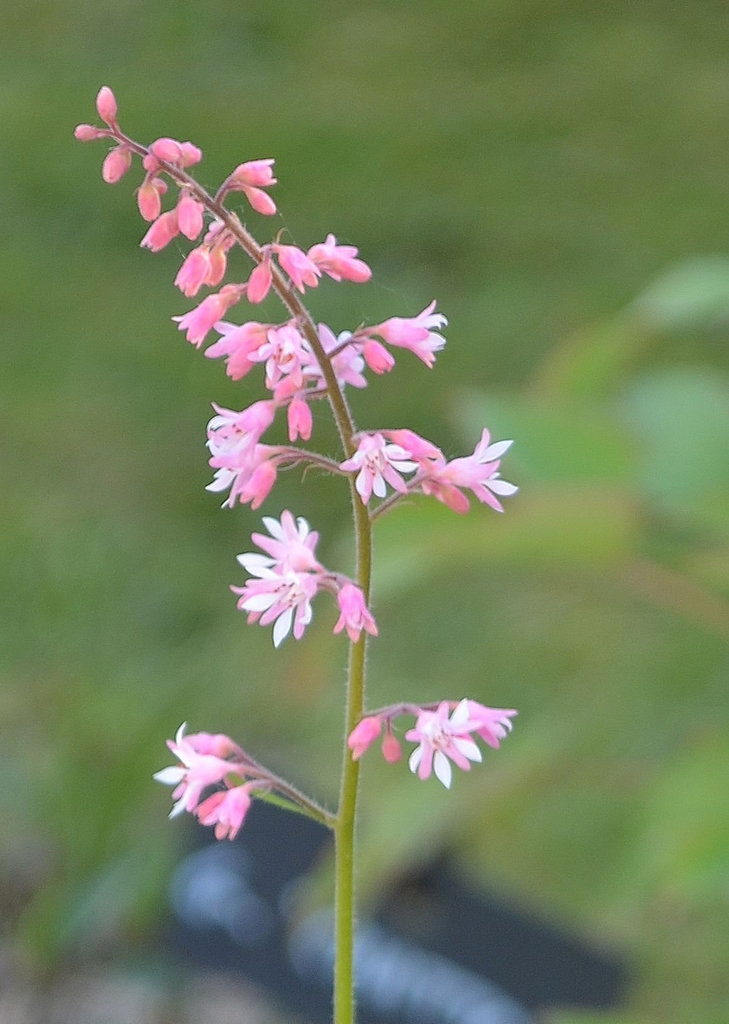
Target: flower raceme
301	362
443	733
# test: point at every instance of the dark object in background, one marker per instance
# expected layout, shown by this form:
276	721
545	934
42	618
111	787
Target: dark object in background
434	954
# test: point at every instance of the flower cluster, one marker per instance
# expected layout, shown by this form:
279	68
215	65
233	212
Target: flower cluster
300	362
443	733
289	576
207	760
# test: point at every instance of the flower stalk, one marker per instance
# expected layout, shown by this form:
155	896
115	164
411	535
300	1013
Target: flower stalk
214	779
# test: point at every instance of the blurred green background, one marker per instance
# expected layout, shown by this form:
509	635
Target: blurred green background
555	174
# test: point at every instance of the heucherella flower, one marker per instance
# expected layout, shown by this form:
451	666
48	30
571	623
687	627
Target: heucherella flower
442	731
260	281
226	809
377	464
288	577
238	342
419	334
247	473
285	353
354	614
477	472
196	771
161	232
347	363
339	261
149	197
251	178
232	433
190	216
290	545
116	164
198	322
442	736
303	272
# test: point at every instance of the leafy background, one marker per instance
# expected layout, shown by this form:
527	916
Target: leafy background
554	173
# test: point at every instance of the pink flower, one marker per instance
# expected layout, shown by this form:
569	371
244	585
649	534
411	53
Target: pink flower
225	809
418	333
239	343
290	545
232	433
89	133
377	463
354	614
364	735
347	363
417	447
285	353
149	197
377	357
116	164
190	216
439	738
161	232
247	475
338	261
300	421
250	178
169	150
491	724
302	271
259	283
195	772
106	106
478	473
200	320
283	598
195	271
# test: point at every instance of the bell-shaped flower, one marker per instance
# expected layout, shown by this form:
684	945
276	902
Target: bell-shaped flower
354	614
339	261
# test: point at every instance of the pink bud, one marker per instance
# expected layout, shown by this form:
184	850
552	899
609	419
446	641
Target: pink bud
377	357
189	216
149	196
259	283
363	735
106	105
116	164
87	133
391	749
189	154
299	420
260	201
166	149
161	232
253	172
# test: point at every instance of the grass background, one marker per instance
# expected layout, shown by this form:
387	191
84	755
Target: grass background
555	173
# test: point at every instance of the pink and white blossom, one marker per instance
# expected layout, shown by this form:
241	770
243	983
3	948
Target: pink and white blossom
238	344
477	472
290	545
247	474
281	597
442	737
195	772
419	333
377	464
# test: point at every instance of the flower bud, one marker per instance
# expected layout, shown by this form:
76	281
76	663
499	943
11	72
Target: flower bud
106	105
